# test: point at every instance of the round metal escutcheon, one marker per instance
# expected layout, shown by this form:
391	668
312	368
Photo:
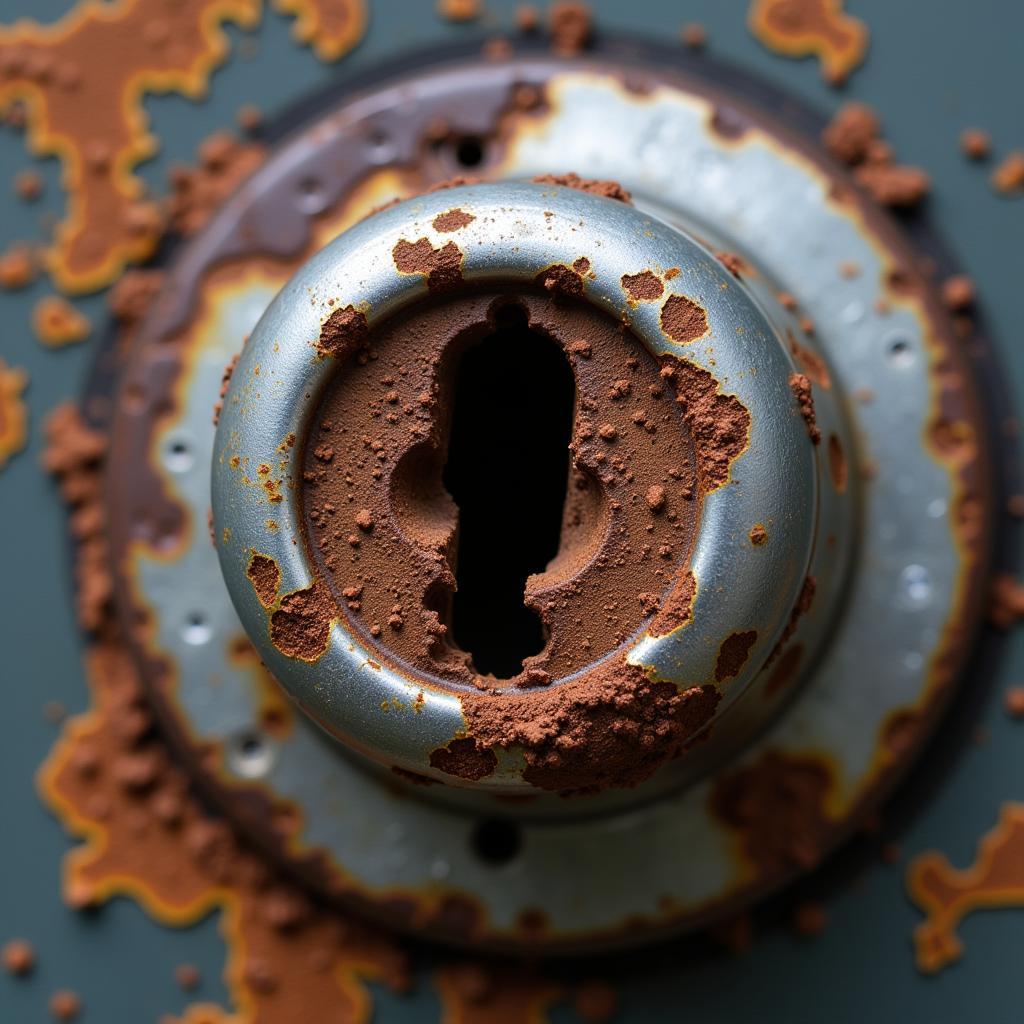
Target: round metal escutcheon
844	723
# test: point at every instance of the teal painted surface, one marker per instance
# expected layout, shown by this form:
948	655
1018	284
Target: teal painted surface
930	79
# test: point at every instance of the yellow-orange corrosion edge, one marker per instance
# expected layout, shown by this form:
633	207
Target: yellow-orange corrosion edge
802	28
325	963
947	896
73	111
13	412
330	27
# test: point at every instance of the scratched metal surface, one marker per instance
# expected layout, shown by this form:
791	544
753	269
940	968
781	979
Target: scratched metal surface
929	79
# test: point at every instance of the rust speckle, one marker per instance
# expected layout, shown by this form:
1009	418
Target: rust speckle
800	385
13	412
57	323
683	320
452	220
441	267
643	287
758	535
946	896
801	28
733	654
265	576
838	469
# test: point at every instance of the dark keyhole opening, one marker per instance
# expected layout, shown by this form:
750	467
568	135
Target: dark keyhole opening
507	470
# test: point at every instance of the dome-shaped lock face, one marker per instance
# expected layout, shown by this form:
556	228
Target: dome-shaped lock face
516	487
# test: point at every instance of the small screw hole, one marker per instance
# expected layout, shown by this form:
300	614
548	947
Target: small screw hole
899	351
497	840
197	630
250	755
469	151
178	456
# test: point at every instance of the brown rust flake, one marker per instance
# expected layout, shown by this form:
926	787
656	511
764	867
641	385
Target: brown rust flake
452	220
343	333
733	654
776	805
683	320
801	28
643	287
800	385
946	896
301	626
265	576
13	412
464	758
441	267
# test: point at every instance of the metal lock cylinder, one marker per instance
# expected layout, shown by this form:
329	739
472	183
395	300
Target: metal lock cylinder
703	461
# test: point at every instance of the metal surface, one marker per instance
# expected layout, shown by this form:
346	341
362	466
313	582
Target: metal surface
860	966
908	609
518	232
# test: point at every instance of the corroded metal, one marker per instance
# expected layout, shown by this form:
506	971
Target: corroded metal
518	231
852	718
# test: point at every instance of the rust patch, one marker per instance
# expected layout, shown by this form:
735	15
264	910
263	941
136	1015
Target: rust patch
813	365
802	28
733	654
683	320
99	133
452	220
719	423
758	535
561	280
946	896
13	412
474	993
776	805
1006	604
784	672
331	27
614	727
265	576
441	267
301	626
643	287
677	608
595	186
57	323
838	468
343	333
464	758
800	385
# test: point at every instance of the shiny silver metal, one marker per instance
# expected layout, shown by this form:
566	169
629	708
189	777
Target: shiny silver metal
518	231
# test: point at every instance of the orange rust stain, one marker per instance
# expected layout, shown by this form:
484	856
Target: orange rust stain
947	896
57	323
331	27
83	80
13	412
146	837
802	28
472	994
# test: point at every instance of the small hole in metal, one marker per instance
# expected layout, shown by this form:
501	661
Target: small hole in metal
251	755
497	840
197	630
899	351
469	151
178	456
311	197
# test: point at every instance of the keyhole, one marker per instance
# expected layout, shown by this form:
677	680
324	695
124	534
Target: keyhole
507	470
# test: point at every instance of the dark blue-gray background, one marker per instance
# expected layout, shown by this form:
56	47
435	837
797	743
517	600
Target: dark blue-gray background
933	69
